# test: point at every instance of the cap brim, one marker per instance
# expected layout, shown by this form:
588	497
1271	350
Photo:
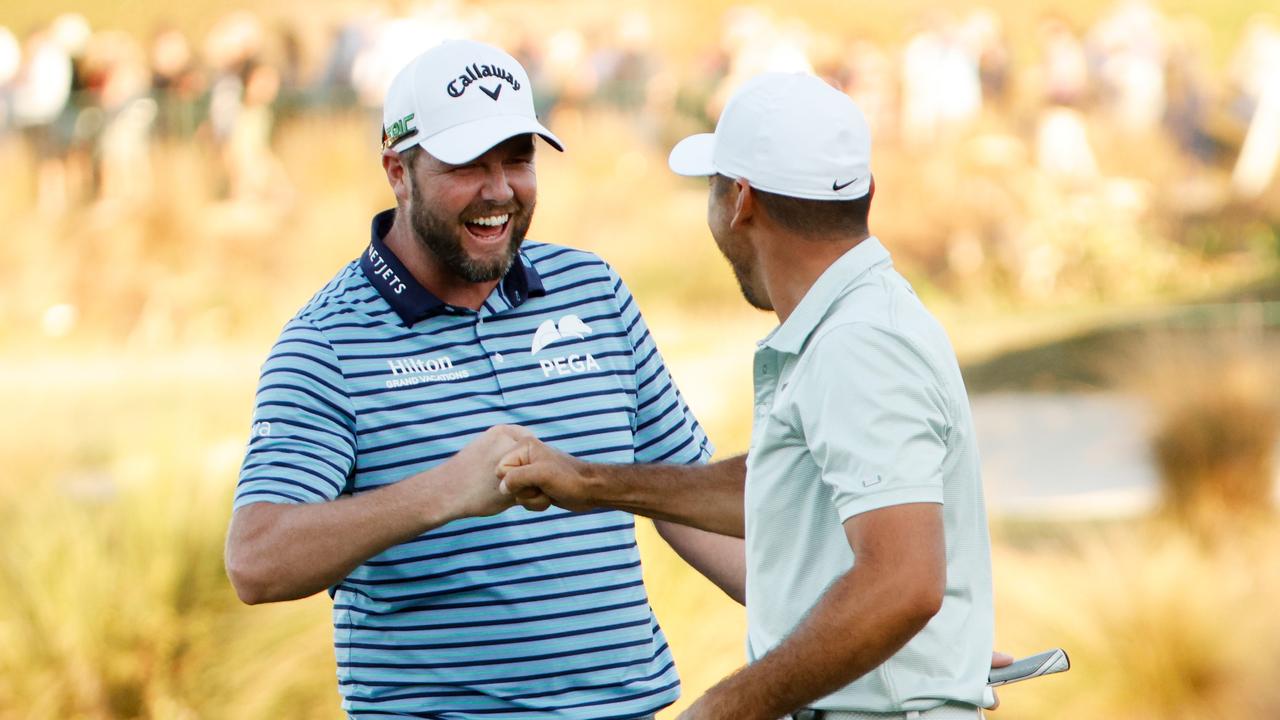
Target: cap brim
692	156
466	142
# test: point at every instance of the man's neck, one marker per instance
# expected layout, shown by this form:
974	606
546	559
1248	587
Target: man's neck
791	264
427	269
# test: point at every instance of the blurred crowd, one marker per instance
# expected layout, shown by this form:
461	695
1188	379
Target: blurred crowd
90	104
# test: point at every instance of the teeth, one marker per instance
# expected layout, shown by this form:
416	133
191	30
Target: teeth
491	221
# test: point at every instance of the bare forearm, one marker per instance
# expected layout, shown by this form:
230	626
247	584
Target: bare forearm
865	615
285	552
863	619
720	558
709	497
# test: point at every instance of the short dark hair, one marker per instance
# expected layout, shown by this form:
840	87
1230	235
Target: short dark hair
810	217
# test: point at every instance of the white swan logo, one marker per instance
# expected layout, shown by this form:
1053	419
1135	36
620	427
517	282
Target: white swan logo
571	326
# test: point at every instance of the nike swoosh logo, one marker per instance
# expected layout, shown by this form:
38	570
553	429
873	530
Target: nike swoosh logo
835	184
494	93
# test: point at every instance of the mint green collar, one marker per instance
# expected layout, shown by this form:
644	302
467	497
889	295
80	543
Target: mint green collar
790	336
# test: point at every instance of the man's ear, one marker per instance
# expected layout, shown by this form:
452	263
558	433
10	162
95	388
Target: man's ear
744	204
397	175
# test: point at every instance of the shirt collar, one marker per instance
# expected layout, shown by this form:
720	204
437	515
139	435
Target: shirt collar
790	336
413	302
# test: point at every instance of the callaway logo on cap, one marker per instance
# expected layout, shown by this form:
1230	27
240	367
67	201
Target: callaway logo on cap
785	133
459	99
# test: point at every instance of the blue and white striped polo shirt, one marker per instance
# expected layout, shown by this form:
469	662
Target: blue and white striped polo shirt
520	615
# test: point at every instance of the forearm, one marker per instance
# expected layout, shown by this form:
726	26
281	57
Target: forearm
285	552
708	497
863	619
720	558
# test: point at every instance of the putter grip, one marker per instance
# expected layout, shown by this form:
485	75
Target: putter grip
1052	661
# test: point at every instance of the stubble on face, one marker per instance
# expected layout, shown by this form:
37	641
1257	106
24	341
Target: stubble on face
742	271
735	248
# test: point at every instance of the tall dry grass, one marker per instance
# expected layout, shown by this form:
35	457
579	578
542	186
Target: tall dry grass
112	514
1216	410
1159	626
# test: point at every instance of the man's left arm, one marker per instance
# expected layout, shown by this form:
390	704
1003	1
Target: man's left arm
720	558
864	617
667	432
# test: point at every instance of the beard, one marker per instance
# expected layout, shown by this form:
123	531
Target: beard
739	260
755	299
442	237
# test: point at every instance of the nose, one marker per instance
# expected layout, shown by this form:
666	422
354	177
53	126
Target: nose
497	189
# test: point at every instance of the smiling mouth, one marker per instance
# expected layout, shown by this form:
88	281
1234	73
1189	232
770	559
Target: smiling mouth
489	227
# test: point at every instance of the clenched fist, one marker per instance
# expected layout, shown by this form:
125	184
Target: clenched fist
471	472
539	476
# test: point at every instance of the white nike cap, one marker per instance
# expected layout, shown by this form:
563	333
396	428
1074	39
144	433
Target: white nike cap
458	100
785	133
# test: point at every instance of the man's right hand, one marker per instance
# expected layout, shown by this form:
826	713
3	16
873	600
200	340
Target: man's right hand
278	551
471	477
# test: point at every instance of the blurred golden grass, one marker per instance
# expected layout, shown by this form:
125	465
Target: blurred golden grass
1158	625
1216	412
111	525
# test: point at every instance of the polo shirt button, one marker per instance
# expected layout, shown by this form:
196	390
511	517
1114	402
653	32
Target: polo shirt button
498	357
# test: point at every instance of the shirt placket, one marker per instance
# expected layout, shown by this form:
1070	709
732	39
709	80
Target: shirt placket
766	383
498	362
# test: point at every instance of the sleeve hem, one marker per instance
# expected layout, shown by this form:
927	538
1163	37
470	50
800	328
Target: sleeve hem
898	496
272	498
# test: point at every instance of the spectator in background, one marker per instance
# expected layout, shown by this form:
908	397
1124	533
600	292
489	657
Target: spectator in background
123	83
10	62
984	34
1063	151
941	89
1064	70
870	82
626	62
234	50
176	83
40	100
1257	72
335	87
396	40
1127	55
757	43
1189	91
254	171
567	78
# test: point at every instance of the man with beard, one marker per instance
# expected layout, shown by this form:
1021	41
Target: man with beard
385	406
868	560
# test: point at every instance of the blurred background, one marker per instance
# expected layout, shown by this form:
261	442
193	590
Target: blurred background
1084	191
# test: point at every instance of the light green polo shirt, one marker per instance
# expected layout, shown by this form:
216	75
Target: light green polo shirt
859	405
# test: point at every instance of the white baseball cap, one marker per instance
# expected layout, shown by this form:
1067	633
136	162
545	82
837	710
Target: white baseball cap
459	99
785	133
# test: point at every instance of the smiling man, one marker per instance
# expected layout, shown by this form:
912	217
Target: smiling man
385	406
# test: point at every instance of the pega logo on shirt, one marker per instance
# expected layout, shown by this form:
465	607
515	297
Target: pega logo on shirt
569	327
475	73
408	372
